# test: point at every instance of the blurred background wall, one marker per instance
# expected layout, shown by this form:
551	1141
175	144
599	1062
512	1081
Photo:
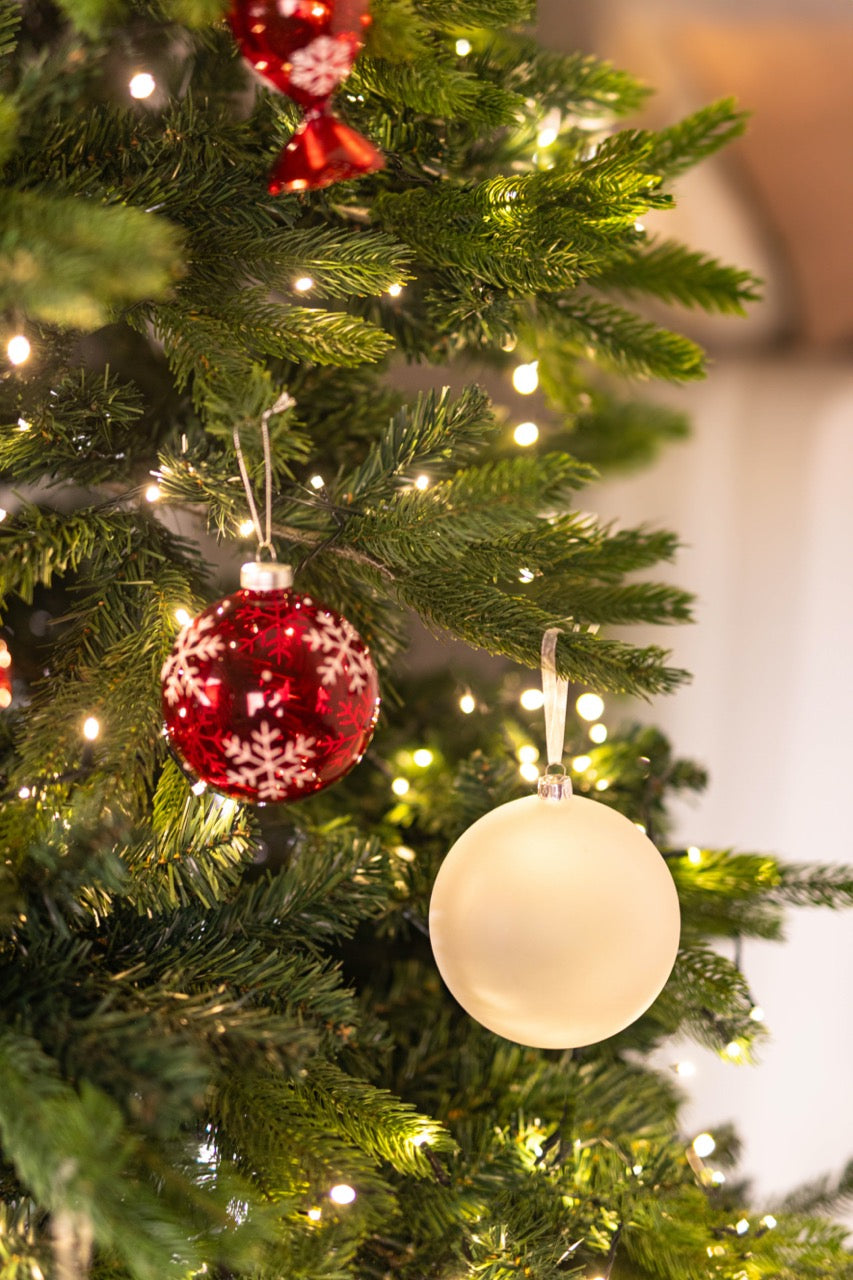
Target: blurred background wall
762	496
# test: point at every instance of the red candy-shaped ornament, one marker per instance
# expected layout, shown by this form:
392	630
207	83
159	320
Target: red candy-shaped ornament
306	48
268	696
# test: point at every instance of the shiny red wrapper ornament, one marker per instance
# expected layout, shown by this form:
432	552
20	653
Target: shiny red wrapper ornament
306	48
268	696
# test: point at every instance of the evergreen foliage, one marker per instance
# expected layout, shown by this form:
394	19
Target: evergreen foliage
210	1015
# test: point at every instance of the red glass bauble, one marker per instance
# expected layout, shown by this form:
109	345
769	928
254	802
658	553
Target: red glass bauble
306	48
323	150
267	695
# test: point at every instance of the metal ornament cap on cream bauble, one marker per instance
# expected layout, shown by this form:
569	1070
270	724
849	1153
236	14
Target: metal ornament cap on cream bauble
554	920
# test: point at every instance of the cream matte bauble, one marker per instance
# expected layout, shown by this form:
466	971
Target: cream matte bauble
554	922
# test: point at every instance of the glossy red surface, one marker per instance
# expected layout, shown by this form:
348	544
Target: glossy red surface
269	697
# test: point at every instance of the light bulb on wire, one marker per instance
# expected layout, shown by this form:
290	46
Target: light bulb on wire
18	349
525	378
142	85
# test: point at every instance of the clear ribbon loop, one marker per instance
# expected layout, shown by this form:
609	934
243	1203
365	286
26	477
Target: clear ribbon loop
556	693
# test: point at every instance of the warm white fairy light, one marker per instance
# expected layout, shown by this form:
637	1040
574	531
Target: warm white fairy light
343	1193
685	1068
547	137
756	1013
422	482
5	697
423	757
315	1214
528	754
183	617
467	704
733	1051
598	733
400	786
526	433
5	655
694	855
718	1177
742	1227
529	772
602	784
420	1139
153	493
23	425
3	514
198	788
637	1169
768	1221
142	85
640	827
303	284
317	482
91	728
532	699
395	290
24	793
405	853
463	47
589	706
525	378
580	764
246	528
18	349
704	1145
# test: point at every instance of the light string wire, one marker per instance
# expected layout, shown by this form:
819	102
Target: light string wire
556	694
264	536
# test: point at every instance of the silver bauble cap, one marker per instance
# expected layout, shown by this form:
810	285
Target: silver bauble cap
266	575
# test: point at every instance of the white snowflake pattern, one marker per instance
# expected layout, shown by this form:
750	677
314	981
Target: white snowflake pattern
269	763
344	654
321	65
193	646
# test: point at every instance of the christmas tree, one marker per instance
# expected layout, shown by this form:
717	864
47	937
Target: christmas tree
224	1046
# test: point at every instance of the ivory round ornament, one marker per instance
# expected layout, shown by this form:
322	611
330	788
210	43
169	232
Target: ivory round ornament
554	922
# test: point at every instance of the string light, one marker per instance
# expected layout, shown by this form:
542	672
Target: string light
526	575
153	493
580	764
317	482
303	284
315	1214
742	1227
602	784
421	1138
423	757
342	1193
463	47
5	655
405	853
526	433
246	528
24	793
589	706
528	754
598	733
529	772
422	483
23	425
768	1221
532	699
694	855
685	1069
733	1050
18	349
91	728
400	786
467	704
182	617
198	788
142	85
718	1177
756	1013
637	1169
525	378
395	290
547	137
3	514
704	1145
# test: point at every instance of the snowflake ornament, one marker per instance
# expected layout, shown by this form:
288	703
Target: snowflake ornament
320	66
268	696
